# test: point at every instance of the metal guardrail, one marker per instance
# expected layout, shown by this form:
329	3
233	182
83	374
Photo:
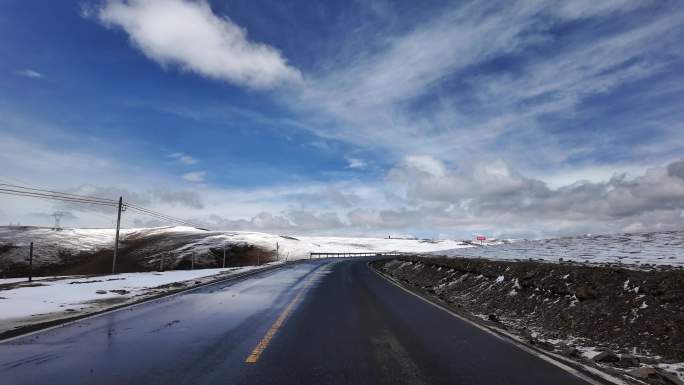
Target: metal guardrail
345	255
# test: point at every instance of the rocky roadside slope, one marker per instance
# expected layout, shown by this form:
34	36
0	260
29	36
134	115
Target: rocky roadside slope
627	320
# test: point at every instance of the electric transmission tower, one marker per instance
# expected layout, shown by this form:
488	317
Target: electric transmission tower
58	217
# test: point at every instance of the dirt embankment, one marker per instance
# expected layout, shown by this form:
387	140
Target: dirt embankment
636	316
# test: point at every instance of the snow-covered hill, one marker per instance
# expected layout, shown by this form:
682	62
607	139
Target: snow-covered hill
655	248
145	246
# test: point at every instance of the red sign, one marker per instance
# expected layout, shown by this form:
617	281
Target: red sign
481	238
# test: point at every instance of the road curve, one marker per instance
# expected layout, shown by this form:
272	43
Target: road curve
319	322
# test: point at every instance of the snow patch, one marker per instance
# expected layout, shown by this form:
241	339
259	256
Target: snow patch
516	284
87	294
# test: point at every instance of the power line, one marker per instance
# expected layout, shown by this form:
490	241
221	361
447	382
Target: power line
24	191
59	193
55	197
17	190
26	186
159	215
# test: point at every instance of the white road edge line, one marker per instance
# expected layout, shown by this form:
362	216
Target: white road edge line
514	340
125	307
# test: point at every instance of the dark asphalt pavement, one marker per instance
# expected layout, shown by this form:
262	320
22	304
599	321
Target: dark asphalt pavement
320	322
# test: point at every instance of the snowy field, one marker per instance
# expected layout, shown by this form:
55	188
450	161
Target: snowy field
656	248
300	247
184	241
23	302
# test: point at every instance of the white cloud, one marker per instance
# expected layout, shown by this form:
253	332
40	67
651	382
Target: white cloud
420	195
466	176
195	176
356	163
564	176
87	164
500	198
188	34
29	73
426	164
465	116
363	99
590	8
183	158
491	197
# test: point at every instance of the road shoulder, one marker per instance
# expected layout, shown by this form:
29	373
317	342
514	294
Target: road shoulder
587	373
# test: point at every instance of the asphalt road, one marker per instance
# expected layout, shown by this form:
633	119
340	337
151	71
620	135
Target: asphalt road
321	322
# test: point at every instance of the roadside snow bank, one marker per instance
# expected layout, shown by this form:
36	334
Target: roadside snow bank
24	303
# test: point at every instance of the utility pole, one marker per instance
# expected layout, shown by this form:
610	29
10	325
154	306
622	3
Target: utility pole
224	257
277	249
116	237
31	262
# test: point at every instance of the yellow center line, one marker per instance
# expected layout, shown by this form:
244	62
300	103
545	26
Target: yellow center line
263	344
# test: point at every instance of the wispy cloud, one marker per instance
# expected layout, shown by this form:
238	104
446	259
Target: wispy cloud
442	88
29	73
356	163
183	158
485	115
438	86
195	176
190	35
420	195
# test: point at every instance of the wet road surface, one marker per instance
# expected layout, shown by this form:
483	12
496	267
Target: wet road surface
319	322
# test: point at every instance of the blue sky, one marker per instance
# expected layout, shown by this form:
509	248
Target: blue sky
525	118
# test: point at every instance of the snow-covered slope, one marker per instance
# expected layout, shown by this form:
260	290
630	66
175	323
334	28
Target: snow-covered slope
300	247
656	248
180	243
146	245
